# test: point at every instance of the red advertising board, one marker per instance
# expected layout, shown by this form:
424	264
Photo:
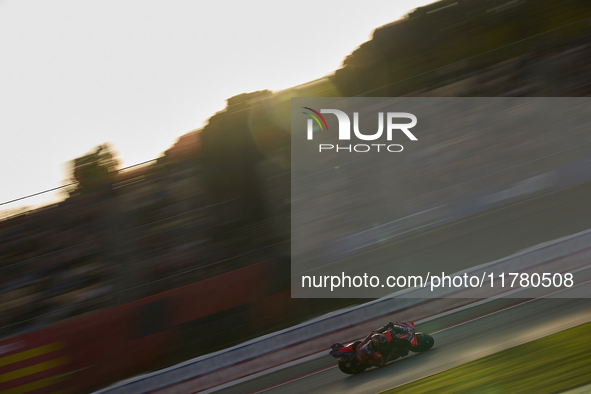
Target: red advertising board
93	351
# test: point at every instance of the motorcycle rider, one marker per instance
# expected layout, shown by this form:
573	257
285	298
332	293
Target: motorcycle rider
380	345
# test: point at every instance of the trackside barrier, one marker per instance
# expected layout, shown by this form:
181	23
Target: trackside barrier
309	338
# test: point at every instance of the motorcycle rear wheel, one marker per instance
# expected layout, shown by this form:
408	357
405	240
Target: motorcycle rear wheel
350	366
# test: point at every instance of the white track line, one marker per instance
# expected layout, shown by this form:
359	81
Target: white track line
509	307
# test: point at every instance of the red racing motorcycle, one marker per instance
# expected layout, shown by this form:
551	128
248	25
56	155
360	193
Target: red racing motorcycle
401	339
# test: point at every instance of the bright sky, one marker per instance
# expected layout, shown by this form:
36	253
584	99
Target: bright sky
140	73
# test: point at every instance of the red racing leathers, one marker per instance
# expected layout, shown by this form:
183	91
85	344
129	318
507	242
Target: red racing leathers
378	354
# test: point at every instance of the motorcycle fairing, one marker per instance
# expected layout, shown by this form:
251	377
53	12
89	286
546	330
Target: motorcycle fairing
339	350
409	335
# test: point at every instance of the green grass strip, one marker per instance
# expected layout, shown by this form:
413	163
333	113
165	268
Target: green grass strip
553	364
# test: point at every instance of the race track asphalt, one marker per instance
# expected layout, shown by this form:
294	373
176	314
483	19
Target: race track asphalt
460	337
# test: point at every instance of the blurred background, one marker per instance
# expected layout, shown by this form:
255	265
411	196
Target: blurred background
429	208
134	268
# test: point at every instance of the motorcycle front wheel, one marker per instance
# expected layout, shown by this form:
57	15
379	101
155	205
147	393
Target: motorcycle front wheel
425	342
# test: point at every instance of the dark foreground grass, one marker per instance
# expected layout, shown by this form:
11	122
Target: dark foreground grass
552	364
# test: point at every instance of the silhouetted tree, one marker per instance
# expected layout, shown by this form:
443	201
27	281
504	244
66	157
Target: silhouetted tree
93	171
230	155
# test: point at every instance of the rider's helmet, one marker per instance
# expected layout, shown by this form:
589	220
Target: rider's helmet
379	342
